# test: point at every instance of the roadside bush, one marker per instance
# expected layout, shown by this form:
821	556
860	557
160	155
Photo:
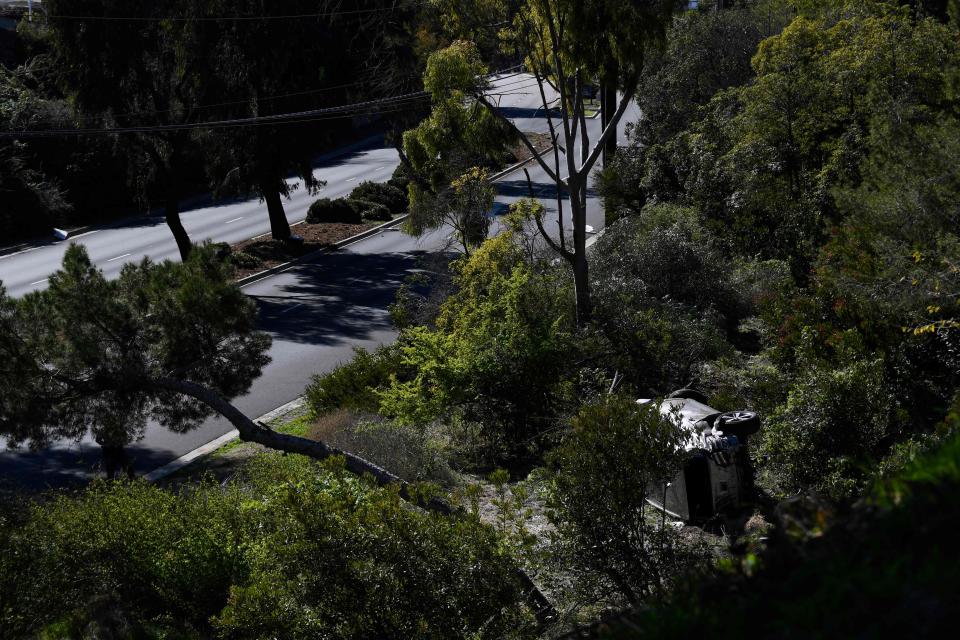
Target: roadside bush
244	260
355	384
340	210
663	305
370	210
499	354
393	198
400	179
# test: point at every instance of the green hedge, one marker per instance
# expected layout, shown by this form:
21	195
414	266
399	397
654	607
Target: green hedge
340	210
370	210
390	196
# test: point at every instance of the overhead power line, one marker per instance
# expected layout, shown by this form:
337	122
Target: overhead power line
359	108
390	104
295	16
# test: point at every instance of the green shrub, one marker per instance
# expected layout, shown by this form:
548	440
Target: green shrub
244	260
370	210
598	483
837	423
499	354
354	385
340	210
400	178
293	549
393	198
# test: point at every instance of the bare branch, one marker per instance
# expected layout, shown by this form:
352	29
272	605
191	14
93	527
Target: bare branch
612	124
539	222
526	141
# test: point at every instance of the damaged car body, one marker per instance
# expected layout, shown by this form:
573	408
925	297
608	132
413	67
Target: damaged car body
717	475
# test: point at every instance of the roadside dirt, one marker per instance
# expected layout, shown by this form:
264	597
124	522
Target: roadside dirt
271	253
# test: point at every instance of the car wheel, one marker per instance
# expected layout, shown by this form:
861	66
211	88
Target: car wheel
738	423
689	394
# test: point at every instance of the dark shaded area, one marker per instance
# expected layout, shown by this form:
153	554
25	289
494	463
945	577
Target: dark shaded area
338	298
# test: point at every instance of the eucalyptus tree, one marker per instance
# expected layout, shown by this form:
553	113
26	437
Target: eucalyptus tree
566	45
142	63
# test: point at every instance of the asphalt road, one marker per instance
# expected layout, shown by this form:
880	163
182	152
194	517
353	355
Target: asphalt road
316	312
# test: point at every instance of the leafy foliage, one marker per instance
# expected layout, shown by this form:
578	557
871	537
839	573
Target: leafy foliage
495	356
340	210
388	195
295	550
601	476
88	353
355	384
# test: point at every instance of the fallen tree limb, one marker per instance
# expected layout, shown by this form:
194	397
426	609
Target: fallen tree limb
251	431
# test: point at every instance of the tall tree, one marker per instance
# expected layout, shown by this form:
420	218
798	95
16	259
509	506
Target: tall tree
329	57
567	45
141	63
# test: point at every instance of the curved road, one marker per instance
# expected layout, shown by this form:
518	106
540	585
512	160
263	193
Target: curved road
316	312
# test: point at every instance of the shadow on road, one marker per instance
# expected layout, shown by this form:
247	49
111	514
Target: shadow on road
342	298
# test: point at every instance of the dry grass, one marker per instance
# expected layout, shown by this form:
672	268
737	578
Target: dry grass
409	453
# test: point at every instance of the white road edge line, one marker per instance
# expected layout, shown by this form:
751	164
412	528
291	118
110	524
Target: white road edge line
119	257
172	467
84	234
234	220
39	281
289	309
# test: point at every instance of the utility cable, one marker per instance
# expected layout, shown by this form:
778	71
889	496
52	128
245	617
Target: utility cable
297	16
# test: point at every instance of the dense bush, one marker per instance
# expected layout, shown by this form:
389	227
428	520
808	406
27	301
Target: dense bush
601	476
663	300
370	210
498	354
390	196
355	384
837	422
340	210
298	550
400	179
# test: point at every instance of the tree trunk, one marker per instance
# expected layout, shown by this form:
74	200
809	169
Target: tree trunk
172	216
251	431
279	227
608	107
581	275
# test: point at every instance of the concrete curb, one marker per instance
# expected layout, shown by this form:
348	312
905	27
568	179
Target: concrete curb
172	467
266	273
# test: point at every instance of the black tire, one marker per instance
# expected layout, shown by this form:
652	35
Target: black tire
689	394
738	423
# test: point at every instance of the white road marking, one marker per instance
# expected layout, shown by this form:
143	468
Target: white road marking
234	220
39	281
118	257
84	234
351	179
289	309
10	255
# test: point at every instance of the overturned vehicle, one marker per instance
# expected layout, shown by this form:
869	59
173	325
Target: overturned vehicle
717	475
